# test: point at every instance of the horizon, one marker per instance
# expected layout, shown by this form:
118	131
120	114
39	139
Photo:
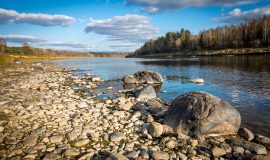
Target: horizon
115	25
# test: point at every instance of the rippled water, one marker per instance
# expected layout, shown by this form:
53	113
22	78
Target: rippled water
243	81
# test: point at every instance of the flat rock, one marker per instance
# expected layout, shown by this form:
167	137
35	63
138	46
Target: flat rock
71	152
81	142
218	152
30	141
117	137
56	139
159	155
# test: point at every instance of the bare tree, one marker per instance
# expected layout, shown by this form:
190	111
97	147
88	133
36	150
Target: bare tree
3	45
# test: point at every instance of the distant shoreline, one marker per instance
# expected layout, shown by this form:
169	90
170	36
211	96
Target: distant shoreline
224	52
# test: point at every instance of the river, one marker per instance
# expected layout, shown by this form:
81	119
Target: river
243	81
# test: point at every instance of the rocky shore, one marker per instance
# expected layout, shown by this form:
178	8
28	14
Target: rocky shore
43	116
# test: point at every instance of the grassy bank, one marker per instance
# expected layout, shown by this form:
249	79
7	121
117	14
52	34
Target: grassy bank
6	58
244	51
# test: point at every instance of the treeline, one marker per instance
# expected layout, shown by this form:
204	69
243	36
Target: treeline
27	50
254	33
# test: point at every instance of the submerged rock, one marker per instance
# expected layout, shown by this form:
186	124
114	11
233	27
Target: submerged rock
141	77
202	114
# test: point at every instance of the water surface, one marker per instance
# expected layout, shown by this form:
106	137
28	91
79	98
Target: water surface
243	81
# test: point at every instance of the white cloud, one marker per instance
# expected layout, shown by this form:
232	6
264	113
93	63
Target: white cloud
156	6
128	28
67	44
11	16
237	15
21	39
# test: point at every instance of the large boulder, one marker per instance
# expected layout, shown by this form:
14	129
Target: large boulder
202	114
142	77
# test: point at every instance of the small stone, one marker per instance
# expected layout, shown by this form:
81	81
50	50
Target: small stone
81	143
171	144
182	156
193	143
71	152
95	79
117	137
132	154
126	106
56	139
1	129
117	156
160	155
155	129
238	149
246	133
218	152
29	157
87	156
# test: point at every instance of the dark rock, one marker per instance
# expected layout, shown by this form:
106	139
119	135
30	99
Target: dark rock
253	147
202	114
141	77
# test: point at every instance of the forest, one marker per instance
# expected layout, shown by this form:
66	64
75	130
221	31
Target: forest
254	33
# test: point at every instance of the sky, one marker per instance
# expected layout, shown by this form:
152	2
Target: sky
115	25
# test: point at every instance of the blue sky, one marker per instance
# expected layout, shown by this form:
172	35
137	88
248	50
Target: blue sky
115	25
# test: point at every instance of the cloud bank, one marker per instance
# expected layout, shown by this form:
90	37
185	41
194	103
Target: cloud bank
157	6
11	16
238	16
128	28
68	44
21	39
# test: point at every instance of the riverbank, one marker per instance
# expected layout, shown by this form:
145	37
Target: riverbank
43	116
225	52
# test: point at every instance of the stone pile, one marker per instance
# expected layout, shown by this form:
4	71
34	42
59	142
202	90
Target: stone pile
43	117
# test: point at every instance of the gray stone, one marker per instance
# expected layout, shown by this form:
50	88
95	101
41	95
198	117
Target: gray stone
146	92
202	114
253	147
117	137
141	77
159	155
129	79
246	133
